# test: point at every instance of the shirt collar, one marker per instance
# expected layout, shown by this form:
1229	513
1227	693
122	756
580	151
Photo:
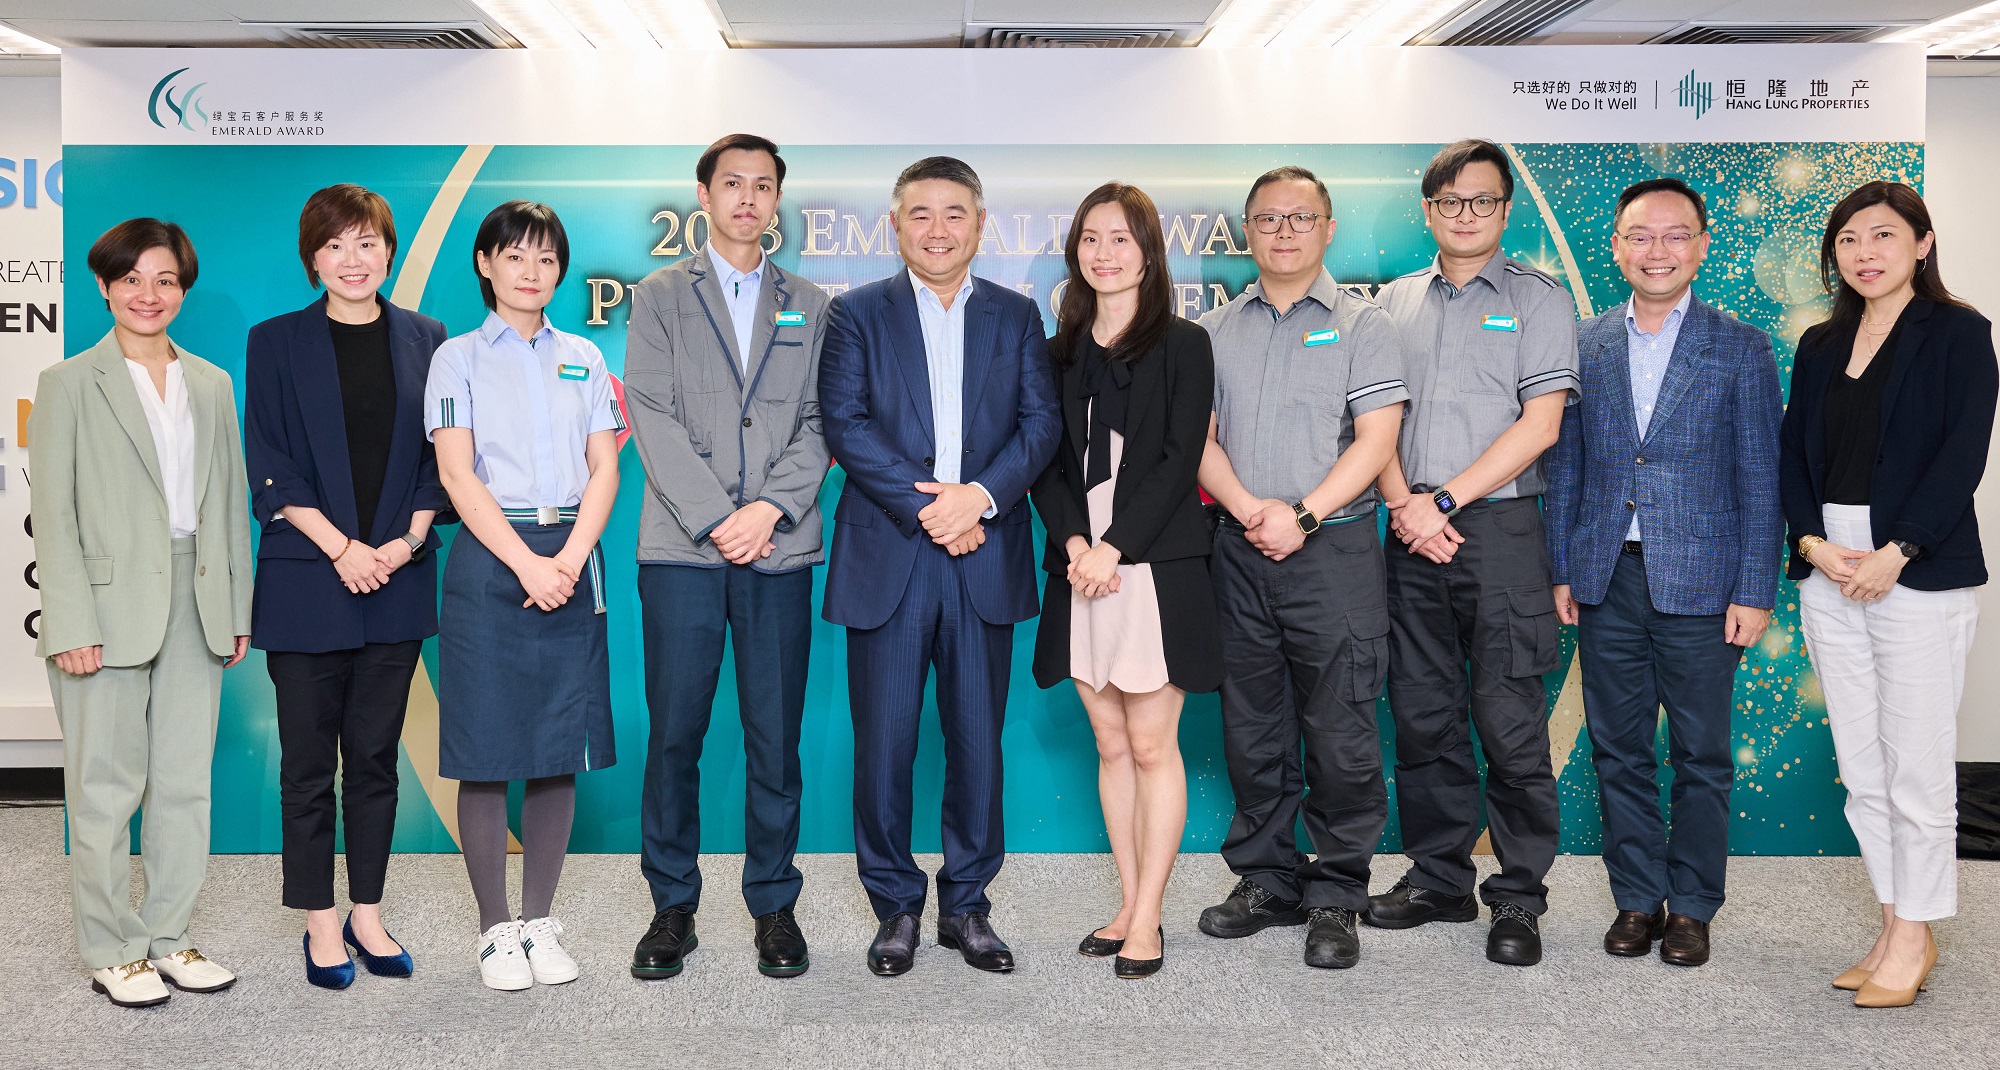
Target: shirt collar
496	328
725	272
1674	315
1323	290
1491	272
923	291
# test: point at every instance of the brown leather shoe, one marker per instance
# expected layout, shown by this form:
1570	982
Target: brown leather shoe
1685	942
1632	933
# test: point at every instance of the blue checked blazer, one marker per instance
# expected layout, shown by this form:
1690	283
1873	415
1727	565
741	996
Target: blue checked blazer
1703	480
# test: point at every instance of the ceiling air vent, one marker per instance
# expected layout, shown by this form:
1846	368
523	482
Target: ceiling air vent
382	35
1737	33
1075	37
1507	23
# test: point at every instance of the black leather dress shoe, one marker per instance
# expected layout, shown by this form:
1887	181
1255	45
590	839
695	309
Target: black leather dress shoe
781	947
1134	969
1632	933
1516	936
895	948
972	935
1407	906
1250	908
1685	942
665	945
1331	942
1098	947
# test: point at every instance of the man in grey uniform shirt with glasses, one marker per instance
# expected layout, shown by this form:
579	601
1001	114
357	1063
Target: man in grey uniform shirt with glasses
1490	350
1308	396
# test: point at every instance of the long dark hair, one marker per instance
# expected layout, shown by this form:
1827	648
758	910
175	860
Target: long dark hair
1078	310
1905	202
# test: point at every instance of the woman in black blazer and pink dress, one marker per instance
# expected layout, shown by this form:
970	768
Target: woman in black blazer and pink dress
1129	613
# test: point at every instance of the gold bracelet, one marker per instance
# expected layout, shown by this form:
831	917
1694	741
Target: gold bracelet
1809	543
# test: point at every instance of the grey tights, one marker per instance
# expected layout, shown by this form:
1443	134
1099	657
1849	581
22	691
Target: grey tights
547	810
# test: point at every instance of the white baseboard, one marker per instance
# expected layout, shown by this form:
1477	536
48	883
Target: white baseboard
31	754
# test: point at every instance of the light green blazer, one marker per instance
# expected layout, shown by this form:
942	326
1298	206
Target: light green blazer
103	551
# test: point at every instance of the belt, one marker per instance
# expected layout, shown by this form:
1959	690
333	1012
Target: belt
1634	547
549	516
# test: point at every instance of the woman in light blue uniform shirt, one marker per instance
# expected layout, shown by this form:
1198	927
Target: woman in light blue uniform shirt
525	424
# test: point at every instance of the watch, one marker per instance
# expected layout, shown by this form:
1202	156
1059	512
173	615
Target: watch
1308	523
1911	551
416	546
1446	504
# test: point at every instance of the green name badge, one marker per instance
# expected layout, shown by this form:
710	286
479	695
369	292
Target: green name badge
572	371
1499	323
1322	338
791	319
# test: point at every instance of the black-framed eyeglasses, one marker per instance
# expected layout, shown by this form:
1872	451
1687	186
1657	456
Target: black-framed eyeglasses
1270	222
1452	207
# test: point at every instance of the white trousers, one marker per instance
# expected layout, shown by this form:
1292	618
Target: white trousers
1892	672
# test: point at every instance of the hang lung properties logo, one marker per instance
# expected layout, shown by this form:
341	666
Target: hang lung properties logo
179	110
1697	95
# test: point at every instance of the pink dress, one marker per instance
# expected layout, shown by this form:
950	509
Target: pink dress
1116	639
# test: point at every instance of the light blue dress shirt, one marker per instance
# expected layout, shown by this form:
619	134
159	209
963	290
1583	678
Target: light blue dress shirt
944	355
530	404
739	293
1647	356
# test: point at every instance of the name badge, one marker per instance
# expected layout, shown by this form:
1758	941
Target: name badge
1322	338
572	371
1499	323
791	319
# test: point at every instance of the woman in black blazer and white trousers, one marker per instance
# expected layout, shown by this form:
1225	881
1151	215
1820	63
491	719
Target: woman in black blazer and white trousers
1129	613
345	484
1884	443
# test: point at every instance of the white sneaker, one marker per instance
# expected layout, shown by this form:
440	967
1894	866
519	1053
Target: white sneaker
135	984
502	965
191	971
546	957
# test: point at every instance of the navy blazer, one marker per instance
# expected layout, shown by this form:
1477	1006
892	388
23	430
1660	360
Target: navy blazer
1703	480
295	436
1937	420
875	407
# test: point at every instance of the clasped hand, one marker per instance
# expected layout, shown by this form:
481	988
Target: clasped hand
548	581
1417	521
1863	575
745	535
1093	570
1273	529
363	568
952	519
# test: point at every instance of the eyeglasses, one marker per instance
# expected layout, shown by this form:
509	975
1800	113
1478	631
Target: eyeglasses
1672	243
1302	222
1452	207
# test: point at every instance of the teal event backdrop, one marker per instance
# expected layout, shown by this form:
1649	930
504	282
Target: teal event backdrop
631	210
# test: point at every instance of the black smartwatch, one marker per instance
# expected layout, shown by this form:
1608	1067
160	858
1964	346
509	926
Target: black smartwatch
1308	523
1445	502
1911	551
416	545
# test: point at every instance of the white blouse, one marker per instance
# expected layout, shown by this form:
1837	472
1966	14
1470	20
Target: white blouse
172	424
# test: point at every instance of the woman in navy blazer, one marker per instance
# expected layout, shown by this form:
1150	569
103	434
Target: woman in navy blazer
1883	445
345	485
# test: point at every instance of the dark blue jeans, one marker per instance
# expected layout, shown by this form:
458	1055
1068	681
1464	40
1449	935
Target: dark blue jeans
769	619
1637	659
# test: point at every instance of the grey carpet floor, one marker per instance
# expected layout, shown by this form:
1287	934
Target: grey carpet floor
1423	998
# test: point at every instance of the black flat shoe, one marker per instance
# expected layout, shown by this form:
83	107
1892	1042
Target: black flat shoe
1098	947
895	948
1133	969
781	946
662	951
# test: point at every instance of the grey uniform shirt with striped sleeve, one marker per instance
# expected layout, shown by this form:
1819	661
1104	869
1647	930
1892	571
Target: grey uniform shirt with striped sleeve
1288	387
1472	355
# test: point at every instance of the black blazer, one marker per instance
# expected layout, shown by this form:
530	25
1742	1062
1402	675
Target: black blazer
1937	419
295	436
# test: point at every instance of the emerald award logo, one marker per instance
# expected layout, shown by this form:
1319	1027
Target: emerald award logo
181	110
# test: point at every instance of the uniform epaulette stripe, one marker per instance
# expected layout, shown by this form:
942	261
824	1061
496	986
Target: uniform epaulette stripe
1520	269
1544	377
1391	384
447	412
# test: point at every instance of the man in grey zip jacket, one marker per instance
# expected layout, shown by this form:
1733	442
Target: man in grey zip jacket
721	379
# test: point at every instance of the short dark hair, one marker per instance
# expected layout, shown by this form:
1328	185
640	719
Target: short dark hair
948	168
1660	185
1288	173
330	212
704	168
519	223
117	250
1457	156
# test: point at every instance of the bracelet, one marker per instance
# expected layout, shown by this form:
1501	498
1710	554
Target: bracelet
1809	543
343	551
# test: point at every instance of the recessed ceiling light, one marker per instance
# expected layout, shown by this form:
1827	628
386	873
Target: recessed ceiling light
607	23
1319	23
1968	33
15	43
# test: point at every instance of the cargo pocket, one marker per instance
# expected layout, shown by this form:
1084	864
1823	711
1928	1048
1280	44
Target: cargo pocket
97	569
1533	646
1367	654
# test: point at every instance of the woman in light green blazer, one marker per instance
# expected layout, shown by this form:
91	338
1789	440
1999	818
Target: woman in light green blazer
142	548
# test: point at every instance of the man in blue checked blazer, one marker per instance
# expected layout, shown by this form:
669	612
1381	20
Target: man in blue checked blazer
1664	531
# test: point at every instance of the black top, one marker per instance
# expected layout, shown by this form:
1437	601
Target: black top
1105	387
1854	422
368	407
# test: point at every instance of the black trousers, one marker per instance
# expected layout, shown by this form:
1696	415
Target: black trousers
339	710
1475	636
1305	648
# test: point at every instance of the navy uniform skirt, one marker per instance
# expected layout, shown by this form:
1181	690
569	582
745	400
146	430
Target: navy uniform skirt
522	693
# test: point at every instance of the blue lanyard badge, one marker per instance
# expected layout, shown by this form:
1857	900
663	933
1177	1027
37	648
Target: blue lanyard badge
1322	338
572	371
791	319
1499	323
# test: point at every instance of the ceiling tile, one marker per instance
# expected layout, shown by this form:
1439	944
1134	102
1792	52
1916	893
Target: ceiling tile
1095	13
74	33
847	34
124	10
338	11
821	13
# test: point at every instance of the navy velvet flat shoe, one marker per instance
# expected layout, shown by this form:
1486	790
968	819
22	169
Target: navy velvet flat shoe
336	977
396	965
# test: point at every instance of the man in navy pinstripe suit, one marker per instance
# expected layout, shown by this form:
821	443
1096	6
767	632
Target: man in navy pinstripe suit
1664	528
938	403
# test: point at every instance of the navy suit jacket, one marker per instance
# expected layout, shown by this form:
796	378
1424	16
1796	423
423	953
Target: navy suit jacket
1703	480
875	406
295	436
1937	421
